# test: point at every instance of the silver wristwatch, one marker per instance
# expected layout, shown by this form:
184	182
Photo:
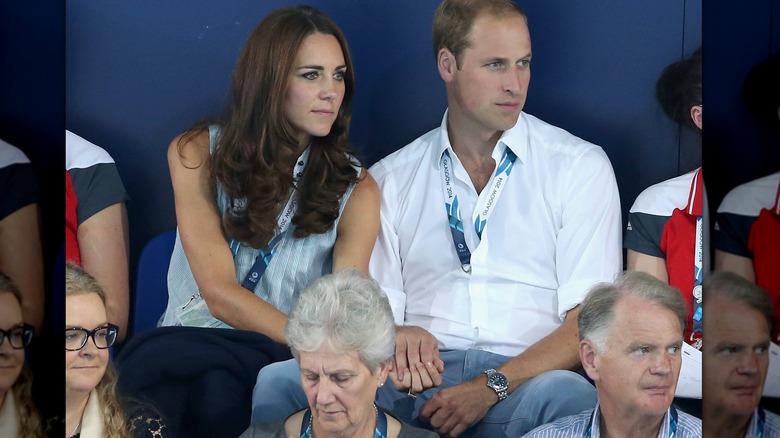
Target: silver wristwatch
497	382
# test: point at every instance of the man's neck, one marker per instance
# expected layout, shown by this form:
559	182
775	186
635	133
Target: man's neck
624	425
471	143
720	425
474	149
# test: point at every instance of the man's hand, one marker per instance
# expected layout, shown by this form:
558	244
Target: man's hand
417	363
453	410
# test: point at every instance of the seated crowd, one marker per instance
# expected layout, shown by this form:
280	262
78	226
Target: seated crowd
312	297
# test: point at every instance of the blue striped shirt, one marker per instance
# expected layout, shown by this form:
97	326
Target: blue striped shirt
576	425
770	427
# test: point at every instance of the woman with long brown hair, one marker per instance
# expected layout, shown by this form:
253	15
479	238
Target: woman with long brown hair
271	197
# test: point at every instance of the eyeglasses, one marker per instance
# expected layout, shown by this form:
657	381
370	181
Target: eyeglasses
103	337
19	336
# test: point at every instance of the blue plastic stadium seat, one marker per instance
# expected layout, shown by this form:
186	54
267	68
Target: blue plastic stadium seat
151	289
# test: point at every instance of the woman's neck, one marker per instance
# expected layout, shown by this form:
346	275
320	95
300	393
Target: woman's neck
366	430
2	398
75	403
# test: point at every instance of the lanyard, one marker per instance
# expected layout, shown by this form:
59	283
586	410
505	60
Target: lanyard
695	209
672	424
485	205
379	432
283	221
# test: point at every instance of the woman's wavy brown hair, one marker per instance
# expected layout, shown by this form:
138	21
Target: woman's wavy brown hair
258	146
29	418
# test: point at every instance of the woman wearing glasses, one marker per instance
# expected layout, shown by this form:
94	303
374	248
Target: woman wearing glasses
92	405
18	415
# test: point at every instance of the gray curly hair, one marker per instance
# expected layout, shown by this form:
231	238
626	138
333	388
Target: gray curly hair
348	310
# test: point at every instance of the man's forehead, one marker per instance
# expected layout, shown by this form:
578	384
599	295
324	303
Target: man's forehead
637	315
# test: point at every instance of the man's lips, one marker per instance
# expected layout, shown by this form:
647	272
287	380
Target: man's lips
745	389
508	106
658	389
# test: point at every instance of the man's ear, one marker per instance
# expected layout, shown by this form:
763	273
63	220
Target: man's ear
590	359
696	115
445	61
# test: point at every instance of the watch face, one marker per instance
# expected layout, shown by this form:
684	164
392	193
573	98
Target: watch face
497	381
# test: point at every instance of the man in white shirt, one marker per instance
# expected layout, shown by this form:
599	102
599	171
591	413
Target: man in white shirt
736	358
493	227
631	335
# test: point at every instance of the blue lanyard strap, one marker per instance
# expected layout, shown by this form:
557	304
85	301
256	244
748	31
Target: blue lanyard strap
452	205
698	260
283	222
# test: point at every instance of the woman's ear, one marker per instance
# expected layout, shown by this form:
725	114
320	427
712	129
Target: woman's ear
384	369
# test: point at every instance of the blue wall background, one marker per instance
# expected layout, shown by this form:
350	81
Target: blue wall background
138	73
737	149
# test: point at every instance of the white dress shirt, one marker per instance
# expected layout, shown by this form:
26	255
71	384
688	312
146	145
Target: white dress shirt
554	232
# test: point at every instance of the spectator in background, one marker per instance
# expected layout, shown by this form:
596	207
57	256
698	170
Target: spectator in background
631	335
747	228
19	418
96	228
736	358
20	243
666	229
93	408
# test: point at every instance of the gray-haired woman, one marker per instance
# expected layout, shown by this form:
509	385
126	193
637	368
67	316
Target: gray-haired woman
343	335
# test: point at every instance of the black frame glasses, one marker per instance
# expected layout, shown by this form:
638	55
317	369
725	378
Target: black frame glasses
103	336
19	336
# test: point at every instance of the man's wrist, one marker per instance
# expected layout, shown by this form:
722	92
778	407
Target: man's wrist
498	383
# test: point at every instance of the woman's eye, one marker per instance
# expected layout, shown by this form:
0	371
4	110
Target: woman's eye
310	75
339	75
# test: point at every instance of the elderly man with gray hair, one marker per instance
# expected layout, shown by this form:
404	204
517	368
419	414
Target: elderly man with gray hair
631	334
738	322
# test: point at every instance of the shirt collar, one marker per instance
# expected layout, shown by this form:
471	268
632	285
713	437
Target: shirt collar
9	417
595	432
515	138
753	426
